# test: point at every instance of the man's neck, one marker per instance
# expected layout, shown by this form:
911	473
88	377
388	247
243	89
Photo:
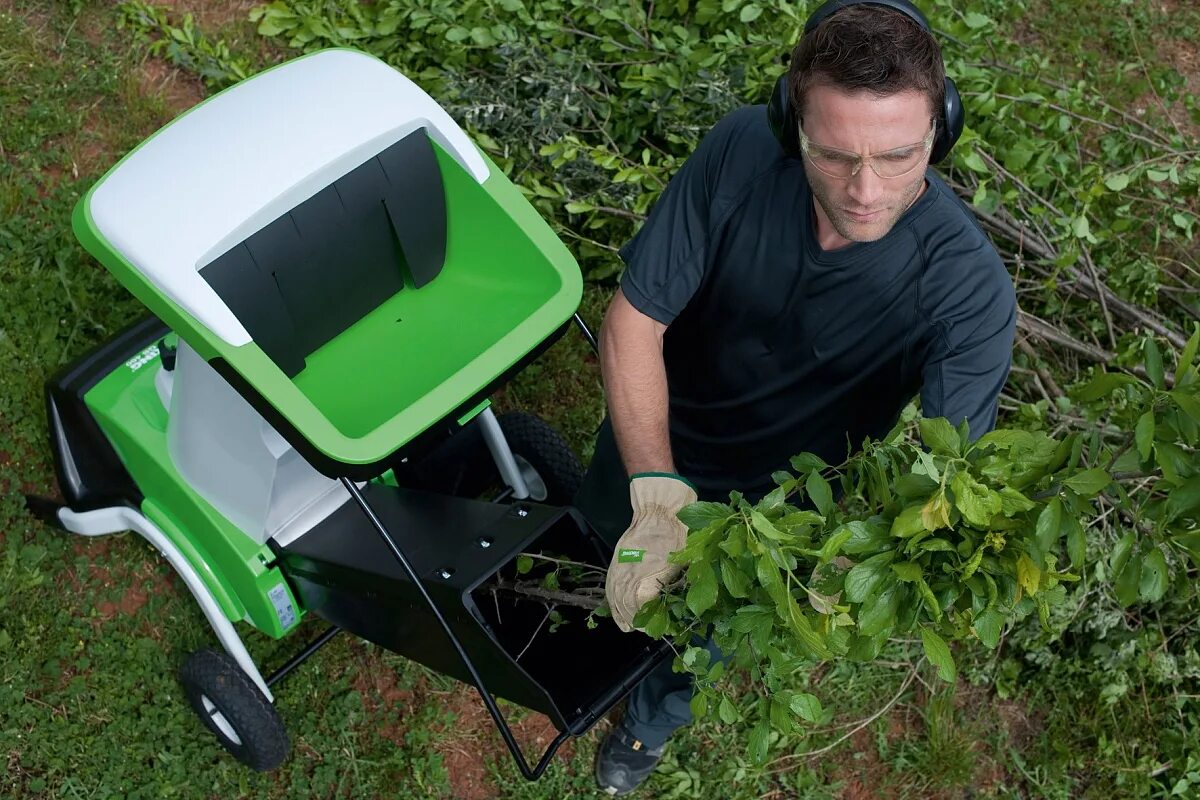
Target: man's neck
827	236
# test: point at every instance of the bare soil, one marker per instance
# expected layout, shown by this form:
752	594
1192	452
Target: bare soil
178	90
212	14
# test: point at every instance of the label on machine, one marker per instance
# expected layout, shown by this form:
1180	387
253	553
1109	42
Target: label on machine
283	606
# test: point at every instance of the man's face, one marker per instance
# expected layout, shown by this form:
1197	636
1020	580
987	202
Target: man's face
864	207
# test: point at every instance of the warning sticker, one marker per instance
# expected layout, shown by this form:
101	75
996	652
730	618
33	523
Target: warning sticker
283	606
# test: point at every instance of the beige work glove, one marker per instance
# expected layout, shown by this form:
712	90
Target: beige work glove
639	568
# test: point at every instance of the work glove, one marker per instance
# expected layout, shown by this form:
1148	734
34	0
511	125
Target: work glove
639	568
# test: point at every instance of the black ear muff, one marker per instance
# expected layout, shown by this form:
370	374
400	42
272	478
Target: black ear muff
950	126
781	119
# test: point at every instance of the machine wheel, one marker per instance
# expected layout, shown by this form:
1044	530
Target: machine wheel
232	707
551	469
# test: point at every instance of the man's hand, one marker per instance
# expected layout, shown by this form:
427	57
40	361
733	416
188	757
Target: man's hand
639	568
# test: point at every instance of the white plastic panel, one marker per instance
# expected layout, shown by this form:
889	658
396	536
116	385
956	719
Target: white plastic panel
235	460
235	163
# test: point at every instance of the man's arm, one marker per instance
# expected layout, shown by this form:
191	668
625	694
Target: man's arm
635	382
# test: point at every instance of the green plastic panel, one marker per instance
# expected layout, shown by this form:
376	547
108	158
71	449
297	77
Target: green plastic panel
232	565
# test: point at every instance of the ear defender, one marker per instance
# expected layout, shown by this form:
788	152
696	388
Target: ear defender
782	117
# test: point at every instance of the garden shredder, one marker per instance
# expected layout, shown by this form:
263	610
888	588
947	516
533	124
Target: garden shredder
337	279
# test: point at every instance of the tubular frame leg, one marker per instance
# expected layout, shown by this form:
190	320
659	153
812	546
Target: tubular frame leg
494	710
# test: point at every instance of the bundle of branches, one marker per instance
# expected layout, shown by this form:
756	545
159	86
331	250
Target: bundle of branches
933	536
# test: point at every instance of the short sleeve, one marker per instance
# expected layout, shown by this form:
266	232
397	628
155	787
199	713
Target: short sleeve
968	367
667	258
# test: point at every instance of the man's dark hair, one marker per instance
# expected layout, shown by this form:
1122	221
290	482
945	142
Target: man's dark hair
868	48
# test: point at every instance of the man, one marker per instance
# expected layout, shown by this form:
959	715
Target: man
776	302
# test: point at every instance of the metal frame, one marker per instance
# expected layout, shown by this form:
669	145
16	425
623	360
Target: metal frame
477	679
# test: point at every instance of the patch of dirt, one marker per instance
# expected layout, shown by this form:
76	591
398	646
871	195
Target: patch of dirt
474	736
177	89
212	14
476	742
866	776
1184	58
379	691
981	717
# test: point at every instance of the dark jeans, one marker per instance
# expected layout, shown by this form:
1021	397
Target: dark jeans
660	704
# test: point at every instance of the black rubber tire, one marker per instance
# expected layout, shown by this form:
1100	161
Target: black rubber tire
264	741
535	440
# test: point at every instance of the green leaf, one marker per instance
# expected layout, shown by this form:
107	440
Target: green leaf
1117	181
1013	502
975	20
879	611
1189	354
1102	385
907	571
938	653
749	618
940	437
698	516
727	711
1029	575
908	522
931	601
702	587
1089	482
820	493
976	502
1081	227
1154	364
750	12
866	537
1076	541
974	162
1128	583
806	462
1183	499
862	578
653	618
766	527
914	484
1172	460
1120	554
833	545
988	626
1143	434
1190	542
807	707
1153	583
756	748
1187	403
737	583
1049	524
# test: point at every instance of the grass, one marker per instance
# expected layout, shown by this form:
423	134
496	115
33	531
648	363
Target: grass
92	631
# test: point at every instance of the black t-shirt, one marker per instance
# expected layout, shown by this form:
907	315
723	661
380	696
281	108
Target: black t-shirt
774	346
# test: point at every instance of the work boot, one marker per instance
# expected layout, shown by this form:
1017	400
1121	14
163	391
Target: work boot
622	762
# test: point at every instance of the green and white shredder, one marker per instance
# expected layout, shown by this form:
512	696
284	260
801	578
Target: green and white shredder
337	279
